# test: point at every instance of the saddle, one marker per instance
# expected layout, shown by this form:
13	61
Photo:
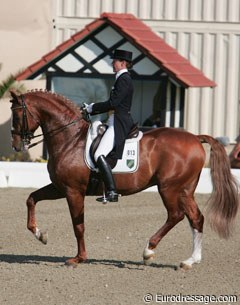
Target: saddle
101	129
130	159
128	164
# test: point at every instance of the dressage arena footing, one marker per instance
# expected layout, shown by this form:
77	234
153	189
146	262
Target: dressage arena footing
35	175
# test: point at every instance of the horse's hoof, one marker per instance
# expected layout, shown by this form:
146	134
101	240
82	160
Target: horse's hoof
74	262
148	260
44	237
70	264
148	255
185	267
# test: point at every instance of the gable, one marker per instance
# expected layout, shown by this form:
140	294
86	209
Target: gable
88	52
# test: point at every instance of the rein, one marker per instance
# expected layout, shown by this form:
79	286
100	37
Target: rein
52	132
27	136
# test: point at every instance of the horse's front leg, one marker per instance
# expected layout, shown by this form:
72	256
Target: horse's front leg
47	192
75	200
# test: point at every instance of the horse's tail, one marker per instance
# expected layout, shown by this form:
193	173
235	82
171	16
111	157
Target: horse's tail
224	201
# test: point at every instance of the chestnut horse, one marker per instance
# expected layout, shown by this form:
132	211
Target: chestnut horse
170	158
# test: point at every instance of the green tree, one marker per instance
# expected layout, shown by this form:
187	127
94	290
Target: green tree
10	84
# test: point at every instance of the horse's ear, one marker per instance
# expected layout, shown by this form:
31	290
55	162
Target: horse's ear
14	96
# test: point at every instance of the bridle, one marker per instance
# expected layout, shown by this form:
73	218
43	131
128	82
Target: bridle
27	135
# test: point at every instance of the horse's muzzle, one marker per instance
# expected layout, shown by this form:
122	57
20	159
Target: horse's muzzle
19	146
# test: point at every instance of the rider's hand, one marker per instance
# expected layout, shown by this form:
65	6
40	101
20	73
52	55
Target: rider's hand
87	108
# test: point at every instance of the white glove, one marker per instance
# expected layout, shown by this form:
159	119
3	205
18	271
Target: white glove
89	107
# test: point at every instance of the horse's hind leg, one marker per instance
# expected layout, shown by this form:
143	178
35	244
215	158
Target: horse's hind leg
196	221
47	192
171	201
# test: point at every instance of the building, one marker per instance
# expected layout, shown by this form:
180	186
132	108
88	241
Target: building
205	32
80	68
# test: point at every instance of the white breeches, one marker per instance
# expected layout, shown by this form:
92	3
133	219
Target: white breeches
108	140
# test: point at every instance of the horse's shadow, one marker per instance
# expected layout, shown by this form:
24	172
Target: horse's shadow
37	259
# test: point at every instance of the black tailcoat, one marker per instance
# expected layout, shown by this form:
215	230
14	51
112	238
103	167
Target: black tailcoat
120	101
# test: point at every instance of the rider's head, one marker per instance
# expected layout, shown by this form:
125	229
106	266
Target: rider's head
121	60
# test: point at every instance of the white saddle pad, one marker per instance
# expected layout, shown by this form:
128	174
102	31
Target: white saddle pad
130	159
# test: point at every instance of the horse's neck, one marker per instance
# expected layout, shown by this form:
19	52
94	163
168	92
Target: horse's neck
53	112
55	115
71	140
61	123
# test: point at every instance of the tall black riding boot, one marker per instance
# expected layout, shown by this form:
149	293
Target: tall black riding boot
106	173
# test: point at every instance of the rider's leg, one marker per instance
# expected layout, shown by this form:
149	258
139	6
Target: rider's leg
106	173
105	147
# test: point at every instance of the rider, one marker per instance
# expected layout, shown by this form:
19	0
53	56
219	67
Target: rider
119	122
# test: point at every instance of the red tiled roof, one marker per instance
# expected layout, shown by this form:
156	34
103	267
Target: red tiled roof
139	34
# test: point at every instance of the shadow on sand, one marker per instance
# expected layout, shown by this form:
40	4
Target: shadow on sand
37	259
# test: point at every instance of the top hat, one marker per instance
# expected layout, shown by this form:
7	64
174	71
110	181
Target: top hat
122	54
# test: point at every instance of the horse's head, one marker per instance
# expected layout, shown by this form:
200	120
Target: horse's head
23	123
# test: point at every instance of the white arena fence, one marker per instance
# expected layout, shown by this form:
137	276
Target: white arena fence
35	175
23	174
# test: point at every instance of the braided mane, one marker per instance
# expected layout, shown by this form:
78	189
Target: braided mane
61	98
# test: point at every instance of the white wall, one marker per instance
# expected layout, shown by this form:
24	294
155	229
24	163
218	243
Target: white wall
207	10
35	175
25	34
214	49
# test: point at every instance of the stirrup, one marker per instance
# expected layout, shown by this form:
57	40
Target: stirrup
111	196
